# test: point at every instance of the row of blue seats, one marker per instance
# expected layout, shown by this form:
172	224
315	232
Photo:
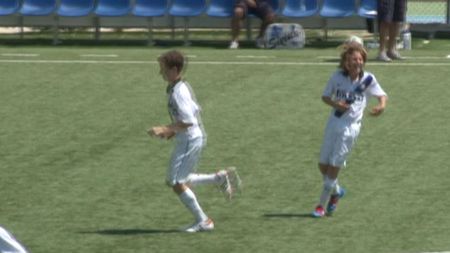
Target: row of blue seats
183	8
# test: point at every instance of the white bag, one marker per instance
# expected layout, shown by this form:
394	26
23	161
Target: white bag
284	36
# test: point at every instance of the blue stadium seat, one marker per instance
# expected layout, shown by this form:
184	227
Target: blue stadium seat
37	7
368	8
220	8
113	8
300	8
8	7
75	8
186	9
150	9
337	8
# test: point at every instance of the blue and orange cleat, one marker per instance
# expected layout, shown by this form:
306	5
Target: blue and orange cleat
334	199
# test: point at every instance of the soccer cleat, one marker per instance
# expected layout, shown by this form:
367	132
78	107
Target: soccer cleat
394	55
234	45
319	212
334	199
202	226
231	182
383	57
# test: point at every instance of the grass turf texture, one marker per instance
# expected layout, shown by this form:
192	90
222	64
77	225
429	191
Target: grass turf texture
79	173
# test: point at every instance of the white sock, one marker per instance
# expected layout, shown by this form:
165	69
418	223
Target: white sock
196	179
337	188
328	186
190	201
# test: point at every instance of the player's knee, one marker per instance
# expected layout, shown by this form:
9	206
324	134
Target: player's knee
239	12
179	188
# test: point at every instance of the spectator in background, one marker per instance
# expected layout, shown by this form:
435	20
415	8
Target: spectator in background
391	15
259	8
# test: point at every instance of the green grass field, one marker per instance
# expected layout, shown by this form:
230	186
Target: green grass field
79	173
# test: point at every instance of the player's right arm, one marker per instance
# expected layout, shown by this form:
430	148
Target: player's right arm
330	91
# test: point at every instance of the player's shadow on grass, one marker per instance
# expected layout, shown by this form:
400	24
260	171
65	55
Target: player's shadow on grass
132	231
287	215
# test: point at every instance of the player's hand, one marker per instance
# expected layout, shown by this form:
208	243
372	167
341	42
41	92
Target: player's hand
377	110
157	131
342	106
162	132
169	136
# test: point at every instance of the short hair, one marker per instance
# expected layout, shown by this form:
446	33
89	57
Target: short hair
172	59
349	49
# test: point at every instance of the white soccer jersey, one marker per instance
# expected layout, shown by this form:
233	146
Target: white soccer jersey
184	107
341	87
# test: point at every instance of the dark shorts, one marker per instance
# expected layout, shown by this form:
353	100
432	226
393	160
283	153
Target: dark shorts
391	10
262	10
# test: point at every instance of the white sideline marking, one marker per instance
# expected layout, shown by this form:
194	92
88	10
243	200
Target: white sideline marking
21	55
99	55
255	56
418	64
407	57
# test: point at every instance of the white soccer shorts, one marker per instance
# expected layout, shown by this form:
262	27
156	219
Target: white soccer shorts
337	143
184	159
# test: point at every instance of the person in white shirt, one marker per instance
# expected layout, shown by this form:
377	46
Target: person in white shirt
347	93
190	138
9	244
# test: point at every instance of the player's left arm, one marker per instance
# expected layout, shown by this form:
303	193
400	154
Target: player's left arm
379	108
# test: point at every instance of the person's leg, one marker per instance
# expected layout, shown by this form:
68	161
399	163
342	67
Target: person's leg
383	37
189	199
394	29
385	9
329	184
198	179
183	162
239	14
329	174
227	180
265	22
397	21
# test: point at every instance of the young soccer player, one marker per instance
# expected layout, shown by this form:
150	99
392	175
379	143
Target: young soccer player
190	139
346	93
